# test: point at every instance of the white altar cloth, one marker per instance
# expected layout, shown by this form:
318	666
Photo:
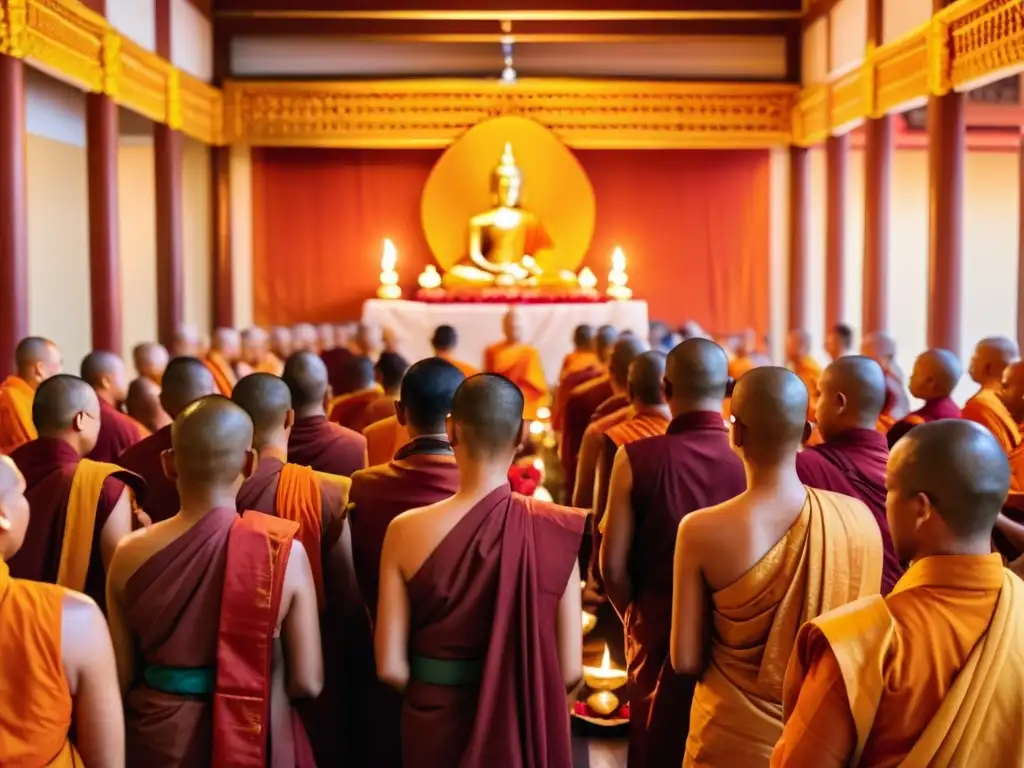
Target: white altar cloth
549	327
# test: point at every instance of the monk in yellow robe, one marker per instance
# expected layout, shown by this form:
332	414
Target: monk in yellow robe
750	571
933	674
800	362
519	363
36	359
991	358
445	341
225	351
59	672
583	354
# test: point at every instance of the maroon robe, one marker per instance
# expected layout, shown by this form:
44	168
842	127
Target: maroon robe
172	604
49	469
690	467
118	433
853	463
143	459
579	410
490	593
326	447
422	473
933	410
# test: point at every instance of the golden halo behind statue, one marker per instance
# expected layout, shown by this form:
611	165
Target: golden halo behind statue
555	188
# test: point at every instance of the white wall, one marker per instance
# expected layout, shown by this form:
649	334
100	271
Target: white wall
191	40
241	234
135	19
197	241
136	197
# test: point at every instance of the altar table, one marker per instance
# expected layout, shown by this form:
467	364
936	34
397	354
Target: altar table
548	327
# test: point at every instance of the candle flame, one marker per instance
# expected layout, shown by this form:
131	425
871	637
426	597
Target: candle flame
390	257
606	660
618	260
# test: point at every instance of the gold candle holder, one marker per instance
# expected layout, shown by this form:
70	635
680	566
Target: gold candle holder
389	288
602	681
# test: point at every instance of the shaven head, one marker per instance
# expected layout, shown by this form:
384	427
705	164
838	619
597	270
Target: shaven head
851	395
947	481
268	402
426	397
104	372
211	447
607	335
150	360
769	410
627	349
798	344
185	381
583	338
487	418
696	377
445	339
880	347
67	408
36	360
646	373
143	404
936	374
991	357
389	370
306	378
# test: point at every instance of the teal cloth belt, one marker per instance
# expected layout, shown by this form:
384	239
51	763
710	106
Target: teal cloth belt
183	681
424	669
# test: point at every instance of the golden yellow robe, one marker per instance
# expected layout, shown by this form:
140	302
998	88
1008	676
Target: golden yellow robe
987	409
830	556
16	427
932	675
520	363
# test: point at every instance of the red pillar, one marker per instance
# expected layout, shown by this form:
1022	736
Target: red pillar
13	212
223	285
946	141
170	268
101	126
799	216
837	153
877	177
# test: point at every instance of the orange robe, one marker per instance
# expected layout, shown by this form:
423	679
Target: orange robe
987	409
520	363
467	369
16	427
35	701
383	440
931	675
223	376
830	556
350	409
809	372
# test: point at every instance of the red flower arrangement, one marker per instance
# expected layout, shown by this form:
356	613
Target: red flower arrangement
524	479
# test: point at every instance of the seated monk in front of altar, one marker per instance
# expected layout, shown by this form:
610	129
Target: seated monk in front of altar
504	241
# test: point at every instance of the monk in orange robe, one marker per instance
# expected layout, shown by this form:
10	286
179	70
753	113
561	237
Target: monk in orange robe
583	354
185	381
388	372
384	439
225	351
60	679
358	391
934	377
36	359
314	441
81	508
800	362
445	341
751	570
839	341
626	350
568	384
422	472
214	615
656	483
991	358
104	372
881	347
519	363
478	621
256	352
930	674
150	359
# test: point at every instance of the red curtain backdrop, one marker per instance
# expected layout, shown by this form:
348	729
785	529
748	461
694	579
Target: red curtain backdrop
694	225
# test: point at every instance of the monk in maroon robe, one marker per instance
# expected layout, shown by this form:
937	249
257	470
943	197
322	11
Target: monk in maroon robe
316	442
422	472
478	624
936	374
185	380
81	509
206	606
655	483
104	372
853	457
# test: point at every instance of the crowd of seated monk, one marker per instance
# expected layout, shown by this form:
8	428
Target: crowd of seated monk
292	547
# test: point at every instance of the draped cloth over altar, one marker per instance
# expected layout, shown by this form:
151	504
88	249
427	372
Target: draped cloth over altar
548	326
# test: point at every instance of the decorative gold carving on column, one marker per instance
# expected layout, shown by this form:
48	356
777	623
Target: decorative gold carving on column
202	110
584	114
985	37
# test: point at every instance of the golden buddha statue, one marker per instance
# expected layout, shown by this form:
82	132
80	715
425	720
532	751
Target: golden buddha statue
504	241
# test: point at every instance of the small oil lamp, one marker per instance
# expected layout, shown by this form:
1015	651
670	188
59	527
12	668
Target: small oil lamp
603	680
617	277
389	288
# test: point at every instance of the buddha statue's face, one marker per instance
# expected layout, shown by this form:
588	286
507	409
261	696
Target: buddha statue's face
507	188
